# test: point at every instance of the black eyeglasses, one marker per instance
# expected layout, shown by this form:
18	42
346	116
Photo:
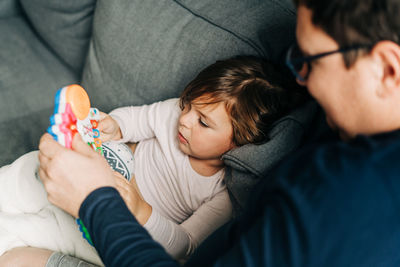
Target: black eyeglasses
300	65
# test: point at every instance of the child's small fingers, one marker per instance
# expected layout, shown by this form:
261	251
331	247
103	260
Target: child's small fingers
103	124
43	176
105	137
103	115
43	160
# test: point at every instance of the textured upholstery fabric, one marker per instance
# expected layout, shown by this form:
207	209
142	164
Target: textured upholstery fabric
30	74
143	51
9	8
64	26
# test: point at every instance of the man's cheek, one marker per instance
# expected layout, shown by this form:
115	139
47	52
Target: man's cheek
345	136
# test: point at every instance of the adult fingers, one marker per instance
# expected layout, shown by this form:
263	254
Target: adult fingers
104	122
43	176
103	115
48	146
46	168
81	147
43	160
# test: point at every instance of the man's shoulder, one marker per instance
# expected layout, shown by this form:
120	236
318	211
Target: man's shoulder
336	170
345	194
363	154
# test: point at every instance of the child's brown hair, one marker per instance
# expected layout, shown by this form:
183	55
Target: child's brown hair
254	92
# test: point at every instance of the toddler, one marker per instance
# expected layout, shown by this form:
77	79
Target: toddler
176	187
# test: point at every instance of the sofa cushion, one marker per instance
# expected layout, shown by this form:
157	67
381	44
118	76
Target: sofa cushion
29	77
65	26
145	51
266	26
248	164
9	8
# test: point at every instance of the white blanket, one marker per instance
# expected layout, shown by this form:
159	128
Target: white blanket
28	219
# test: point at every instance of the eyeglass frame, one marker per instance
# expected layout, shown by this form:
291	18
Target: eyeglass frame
290	62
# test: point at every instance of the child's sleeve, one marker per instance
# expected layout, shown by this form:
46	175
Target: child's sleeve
180	240
143	122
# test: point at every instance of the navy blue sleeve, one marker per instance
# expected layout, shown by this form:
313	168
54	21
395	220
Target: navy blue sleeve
118	237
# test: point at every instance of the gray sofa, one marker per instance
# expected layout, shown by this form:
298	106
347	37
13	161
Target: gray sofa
131	52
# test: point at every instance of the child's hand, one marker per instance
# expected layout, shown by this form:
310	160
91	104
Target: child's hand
132	198
109	128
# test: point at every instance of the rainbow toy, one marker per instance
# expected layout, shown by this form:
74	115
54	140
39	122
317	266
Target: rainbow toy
73	114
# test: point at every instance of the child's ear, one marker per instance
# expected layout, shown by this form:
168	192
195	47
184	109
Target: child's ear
386	60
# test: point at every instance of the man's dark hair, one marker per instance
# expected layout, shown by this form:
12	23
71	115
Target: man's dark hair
356	22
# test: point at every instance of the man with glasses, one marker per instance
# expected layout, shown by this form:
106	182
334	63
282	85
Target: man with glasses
335	203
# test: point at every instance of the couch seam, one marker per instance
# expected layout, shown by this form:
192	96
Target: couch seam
253	45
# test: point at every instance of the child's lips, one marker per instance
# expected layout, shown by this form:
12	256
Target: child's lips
182	139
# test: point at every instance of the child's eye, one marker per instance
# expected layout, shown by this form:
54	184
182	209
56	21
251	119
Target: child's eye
202	123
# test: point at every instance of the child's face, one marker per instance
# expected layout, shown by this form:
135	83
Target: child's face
205	131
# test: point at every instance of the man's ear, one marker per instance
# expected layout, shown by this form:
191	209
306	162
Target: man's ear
386	55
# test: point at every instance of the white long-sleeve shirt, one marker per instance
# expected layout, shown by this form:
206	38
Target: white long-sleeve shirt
186	206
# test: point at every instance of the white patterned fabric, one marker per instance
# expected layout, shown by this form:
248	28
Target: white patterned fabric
120	157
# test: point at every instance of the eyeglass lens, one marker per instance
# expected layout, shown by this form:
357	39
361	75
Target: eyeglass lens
300	67
295	53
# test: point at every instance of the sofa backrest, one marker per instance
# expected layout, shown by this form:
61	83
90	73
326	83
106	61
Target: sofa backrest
145	51
9	8
64	26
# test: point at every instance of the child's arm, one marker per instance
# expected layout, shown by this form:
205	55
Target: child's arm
138	123
206	219
132	198
180	240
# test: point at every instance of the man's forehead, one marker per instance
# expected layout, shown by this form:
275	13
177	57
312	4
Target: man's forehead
310	38
303	28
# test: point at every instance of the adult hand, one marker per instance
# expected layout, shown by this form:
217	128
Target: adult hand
109	128
133	199
69	176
